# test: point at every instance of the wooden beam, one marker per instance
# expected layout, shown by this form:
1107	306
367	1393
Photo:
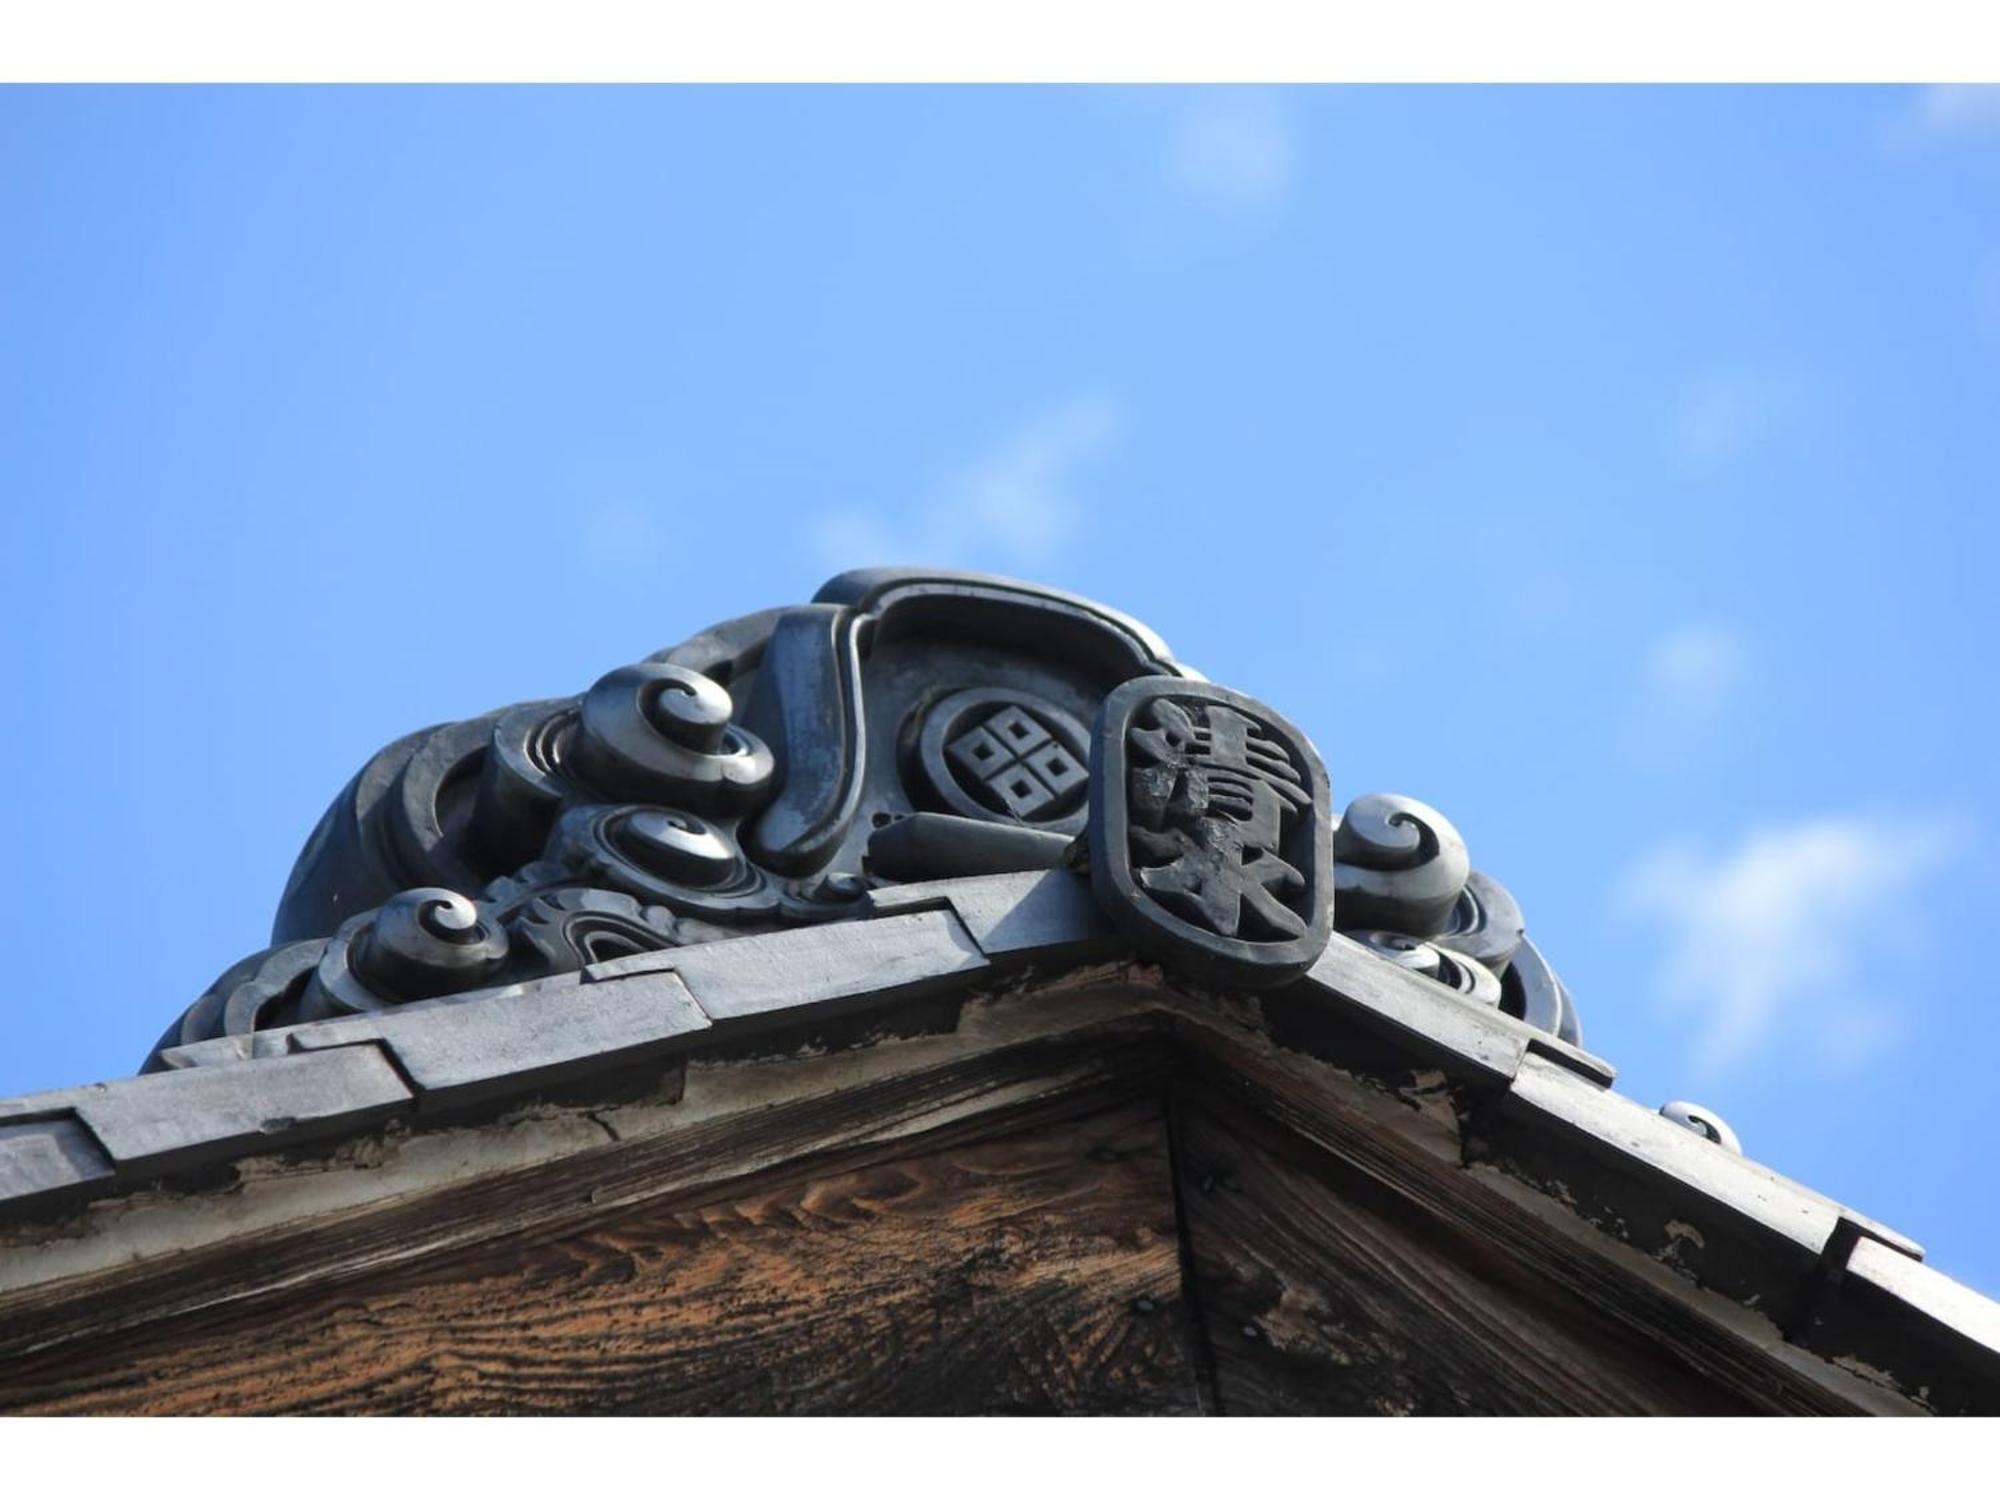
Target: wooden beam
1036	1271
1322	1292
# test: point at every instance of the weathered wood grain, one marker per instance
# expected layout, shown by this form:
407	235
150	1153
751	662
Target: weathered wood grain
1322	1292
1036	1272
964	1097
1417	1159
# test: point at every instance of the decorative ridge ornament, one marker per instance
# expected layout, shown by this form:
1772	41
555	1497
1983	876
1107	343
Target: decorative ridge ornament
1211	838
908	725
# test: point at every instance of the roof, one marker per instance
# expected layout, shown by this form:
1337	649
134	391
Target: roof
783	945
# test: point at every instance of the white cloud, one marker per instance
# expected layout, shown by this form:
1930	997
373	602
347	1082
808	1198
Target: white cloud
1944	111
1233	148
1771	940
1726	413
1013	506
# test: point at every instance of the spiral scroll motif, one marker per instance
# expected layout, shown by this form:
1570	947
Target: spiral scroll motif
1705	1123
418	945
1406	890
1453	970
1398	865
675	858
662	733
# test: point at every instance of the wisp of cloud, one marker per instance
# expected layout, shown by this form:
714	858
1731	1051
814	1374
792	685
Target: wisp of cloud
1233	148
1727	413
1957	109
1693	677
1780	928
1014	506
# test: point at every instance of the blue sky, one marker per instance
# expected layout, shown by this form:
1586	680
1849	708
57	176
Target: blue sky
1614	469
